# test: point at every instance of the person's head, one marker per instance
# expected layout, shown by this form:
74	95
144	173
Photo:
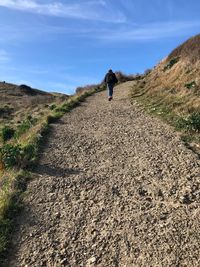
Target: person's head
110	71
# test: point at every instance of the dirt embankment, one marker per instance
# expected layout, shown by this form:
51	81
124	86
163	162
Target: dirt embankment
114	187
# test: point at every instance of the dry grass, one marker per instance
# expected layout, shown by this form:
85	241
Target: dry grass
189	50
176	83
16	103
172	89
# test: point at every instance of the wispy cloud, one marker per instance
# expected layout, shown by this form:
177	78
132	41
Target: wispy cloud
123	33
154	31
4	56
88	10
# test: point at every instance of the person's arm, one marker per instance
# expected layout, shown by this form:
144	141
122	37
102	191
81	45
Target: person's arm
105	79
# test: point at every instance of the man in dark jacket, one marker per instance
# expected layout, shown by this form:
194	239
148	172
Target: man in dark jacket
110	80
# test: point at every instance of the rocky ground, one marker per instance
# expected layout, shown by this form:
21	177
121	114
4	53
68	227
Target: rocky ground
114	187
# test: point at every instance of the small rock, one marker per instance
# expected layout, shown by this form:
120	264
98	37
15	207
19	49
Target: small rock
186	199
92	260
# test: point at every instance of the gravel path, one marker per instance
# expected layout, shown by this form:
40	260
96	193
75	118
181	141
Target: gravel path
114	187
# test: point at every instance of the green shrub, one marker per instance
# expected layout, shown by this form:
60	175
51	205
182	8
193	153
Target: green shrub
54	117
64	108
25	126
17	156
29	153
7	133
186	138
52	107
190	85
171	63
10	155
190	123
67	107
194	121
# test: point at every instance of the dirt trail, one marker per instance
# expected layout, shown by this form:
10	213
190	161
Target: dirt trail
114	187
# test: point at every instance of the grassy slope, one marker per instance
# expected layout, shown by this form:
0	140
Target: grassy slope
172	89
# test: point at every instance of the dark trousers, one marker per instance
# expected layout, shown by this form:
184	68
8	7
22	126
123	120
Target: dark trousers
110	89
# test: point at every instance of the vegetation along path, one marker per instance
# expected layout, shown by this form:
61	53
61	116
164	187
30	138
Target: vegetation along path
114	187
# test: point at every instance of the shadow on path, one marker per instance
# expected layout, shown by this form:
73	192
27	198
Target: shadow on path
50	170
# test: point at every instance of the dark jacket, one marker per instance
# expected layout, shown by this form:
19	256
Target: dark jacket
110	78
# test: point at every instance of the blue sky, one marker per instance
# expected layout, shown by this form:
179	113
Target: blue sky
57	45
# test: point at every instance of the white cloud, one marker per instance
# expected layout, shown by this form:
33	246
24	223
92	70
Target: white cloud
89	10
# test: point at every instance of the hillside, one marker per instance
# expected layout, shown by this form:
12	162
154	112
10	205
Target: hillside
175	81
188	51
17	102
171	90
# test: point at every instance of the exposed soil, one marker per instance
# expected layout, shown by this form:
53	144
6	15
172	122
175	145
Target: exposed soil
114	187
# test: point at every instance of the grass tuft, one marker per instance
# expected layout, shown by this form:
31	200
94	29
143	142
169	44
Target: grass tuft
7	133
190	123
190	85
171	63
25	126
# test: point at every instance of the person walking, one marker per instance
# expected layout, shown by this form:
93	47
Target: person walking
110	80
